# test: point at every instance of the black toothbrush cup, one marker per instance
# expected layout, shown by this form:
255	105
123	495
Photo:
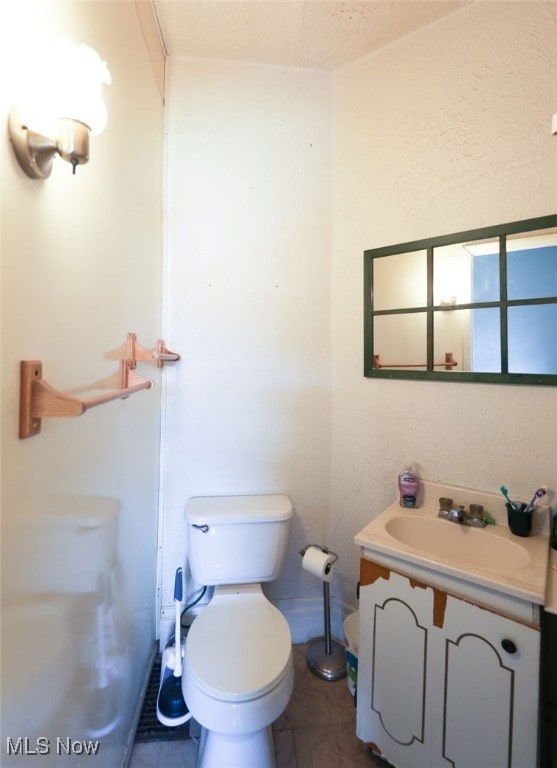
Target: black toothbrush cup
519	517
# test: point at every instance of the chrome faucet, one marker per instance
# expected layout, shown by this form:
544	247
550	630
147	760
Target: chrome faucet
474	518
456	515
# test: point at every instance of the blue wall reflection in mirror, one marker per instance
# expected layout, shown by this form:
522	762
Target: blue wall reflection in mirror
532	345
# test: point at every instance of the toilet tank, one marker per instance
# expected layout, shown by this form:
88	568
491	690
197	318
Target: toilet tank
237	539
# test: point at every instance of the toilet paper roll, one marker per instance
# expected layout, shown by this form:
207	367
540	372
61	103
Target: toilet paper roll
319	563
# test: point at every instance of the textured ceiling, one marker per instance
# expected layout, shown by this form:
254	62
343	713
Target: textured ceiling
321	34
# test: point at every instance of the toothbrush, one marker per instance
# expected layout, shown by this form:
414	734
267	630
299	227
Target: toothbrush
542	490
505	493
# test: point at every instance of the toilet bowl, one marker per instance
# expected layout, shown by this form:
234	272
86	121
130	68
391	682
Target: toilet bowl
238	671
238	677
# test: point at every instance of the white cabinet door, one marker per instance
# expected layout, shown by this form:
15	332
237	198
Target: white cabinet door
490	694
392	669
443	683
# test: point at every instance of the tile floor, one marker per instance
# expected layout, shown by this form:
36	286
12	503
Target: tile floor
317	730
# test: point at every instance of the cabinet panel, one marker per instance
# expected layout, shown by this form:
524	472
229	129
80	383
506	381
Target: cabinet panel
398	661
478	705
443	683
491	684
392	668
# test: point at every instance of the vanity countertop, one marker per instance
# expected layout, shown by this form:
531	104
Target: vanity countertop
490	558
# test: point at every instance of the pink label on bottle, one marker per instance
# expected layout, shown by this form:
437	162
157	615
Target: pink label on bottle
409	486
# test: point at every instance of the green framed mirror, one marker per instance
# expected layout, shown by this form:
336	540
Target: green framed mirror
479	305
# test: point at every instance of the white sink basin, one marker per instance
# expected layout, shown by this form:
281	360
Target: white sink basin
488	565
457	543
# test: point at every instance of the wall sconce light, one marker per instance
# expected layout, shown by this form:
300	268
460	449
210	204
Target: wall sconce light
61	107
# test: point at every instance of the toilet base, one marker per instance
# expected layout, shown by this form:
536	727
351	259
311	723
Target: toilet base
244	750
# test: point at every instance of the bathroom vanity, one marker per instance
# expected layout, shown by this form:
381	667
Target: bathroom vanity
449	652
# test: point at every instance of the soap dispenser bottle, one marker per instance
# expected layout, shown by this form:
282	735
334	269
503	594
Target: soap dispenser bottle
408	486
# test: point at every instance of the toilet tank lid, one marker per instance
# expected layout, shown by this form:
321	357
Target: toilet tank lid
238	509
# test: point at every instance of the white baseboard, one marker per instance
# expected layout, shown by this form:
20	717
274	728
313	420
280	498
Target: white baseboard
305	617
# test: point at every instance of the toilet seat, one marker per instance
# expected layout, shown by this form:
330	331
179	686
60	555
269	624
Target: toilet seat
238	648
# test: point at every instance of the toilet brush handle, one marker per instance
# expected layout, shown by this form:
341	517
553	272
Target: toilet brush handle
178	586
178	593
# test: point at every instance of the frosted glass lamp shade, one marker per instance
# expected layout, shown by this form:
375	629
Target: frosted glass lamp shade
60	106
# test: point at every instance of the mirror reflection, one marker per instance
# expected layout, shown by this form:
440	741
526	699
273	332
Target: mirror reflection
400	281
477	306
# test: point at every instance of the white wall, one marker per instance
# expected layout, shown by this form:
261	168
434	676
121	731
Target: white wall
446	130
247	286
81	266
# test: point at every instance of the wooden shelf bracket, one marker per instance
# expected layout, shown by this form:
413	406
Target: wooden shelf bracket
38	399
161	354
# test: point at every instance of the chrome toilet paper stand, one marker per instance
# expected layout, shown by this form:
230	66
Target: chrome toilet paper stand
325	655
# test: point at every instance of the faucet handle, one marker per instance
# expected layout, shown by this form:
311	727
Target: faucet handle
445	506
445	503
476	516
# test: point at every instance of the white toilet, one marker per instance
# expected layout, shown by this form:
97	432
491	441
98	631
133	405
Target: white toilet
238	672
